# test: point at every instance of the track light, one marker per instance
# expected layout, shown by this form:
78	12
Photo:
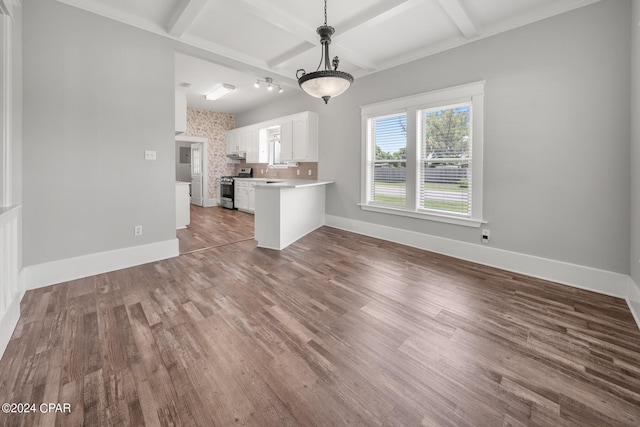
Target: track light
270	84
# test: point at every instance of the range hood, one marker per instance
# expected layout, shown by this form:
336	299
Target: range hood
237	156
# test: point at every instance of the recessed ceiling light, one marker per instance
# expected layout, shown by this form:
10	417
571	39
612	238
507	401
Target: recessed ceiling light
219	92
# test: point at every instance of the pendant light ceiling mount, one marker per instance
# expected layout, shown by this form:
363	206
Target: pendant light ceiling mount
329	82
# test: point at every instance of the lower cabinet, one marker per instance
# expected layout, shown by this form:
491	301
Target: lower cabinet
245	195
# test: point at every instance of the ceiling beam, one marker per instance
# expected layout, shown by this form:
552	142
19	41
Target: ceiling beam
380	12
265	11
185	16
375	15
460	17
289	54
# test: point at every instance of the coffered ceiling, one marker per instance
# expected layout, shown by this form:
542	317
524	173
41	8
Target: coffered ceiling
260	38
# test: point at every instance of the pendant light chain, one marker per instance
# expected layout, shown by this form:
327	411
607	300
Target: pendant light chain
325	12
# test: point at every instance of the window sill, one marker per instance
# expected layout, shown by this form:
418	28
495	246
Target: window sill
465	222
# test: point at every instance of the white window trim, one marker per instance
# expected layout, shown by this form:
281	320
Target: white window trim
473	93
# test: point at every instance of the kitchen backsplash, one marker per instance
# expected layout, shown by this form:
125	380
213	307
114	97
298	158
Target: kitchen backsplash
307	170
213	126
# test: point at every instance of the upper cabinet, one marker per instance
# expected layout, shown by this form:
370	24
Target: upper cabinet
257	145
299	138
181	112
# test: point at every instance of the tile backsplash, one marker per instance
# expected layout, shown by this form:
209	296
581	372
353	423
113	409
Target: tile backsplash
306	170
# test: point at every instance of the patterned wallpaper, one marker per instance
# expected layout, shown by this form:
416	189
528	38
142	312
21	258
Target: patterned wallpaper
213	125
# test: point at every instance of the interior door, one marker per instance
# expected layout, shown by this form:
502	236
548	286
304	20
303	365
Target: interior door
197	196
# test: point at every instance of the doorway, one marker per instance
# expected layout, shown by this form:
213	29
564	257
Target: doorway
191	166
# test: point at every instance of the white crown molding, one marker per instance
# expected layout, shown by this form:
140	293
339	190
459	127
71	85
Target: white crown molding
50	273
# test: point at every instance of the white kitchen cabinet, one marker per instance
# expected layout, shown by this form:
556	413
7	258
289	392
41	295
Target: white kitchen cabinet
257	146
231	140
236	140
239	188
245	194
299	138
181	112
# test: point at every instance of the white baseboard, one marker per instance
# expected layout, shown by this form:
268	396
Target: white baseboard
210	202
10	318
50	273
592	279
633	299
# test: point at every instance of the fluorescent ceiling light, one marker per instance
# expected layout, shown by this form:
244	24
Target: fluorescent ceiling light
219	92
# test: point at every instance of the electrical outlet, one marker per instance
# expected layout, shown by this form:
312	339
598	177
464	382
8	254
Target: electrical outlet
137	230
309	172
298	172
485	235
149	155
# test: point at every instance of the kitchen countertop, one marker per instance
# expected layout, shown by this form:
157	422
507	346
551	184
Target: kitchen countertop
292	183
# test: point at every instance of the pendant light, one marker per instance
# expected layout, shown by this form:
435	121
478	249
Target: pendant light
329	82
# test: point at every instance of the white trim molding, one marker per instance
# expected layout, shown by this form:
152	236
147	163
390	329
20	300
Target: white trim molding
578	276
11	284
50	273
633	299
211	202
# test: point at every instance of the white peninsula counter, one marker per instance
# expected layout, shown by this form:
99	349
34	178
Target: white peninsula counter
287	210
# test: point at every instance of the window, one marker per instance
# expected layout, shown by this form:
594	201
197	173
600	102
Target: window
422	155
275	147
389	172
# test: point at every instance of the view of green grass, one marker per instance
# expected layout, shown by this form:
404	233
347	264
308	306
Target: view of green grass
390	200
435	204
426	186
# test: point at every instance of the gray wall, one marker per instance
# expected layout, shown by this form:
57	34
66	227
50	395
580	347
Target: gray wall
635	144
557	131
16	109
96	95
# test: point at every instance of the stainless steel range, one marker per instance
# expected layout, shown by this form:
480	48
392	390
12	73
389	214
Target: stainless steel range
227	192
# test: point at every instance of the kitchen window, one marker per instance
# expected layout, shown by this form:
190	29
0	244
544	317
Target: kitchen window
422	155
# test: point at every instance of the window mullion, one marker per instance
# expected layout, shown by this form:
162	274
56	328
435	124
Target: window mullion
412	160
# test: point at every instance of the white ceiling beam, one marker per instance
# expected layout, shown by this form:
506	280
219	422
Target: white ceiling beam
460	17
375	15
371	17
265	11
290	54
185	16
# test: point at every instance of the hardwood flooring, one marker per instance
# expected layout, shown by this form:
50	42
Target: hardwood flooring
337	329
214	226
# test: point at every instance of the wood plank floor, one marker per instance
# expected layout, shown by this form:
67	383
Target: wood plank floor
337	329
214	226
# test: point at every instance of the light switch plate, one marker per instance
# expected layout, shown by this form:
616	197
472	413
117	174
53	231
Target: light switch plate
149	155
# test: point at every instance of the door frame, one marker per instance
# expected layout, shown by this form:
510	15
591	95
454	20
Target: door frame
206	201
199	201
